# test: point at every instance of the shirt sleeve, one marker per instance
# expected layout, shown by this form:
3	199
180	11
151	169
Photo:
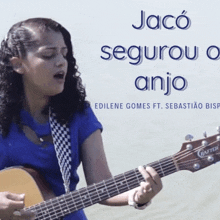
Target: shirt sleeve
88	124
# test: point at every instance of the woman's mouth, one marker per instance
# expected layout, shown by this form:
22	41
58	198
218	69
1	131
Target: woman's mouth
59	75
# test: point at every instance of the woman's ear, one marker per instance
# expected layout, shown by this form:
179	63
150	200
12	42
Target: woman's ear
17	65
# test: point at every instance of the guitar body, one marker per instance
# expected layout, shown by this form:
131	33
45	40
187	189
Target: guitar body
25	180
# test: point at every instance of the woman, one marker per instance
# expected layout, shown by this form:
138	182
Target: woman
39	78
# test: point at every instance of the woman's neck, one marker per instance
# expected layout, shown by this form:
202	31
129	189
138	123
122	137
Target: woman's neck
35	105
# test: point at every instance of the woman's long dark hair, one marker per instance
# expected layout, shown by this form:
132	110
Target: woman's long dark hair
17	42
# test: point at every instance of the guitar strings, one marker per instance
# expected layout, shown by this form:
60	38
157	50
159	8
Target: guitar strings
195	149
180	155
192	151
106	197
97	186
183	154
54	215
101	186
73	210
49	207
194	160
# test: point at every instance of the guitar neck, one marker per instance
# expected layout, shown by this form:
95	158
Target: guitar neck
84	197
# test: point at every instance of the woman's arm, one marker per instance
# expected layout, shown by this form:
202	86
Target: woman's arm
96	169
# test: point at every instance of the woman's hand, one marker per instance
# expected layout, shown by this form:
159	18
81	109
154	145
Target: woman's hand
147	189
11	205
96	169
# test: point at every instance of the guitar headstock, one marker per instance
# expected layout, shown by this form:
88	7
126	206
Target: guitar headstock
196	155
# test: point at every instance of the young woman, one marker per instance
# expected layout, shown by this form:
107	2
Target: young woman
38	75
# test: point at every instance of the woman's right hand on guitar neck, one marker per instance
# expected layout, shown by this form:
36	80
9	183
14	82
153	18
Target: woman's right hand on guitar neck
11	206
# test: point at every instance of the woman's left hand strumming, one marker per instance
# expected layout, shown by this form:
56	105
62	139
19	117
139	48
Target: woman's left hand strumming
143	194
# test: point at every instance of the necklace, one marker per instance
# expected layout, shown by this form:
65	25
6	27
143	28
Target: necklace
43	141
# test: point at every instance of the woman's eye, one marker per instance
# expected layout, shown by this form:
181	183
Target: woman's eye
52	55
48	56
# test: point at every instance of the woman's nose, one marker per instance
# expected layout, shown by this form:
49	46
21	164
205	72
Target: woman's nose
61	61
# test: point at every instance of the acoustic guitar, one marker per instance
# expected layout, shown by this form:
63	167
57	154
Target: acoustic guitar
193	156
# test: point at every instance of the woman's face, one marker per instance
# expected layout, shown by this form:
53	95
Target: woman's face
45	66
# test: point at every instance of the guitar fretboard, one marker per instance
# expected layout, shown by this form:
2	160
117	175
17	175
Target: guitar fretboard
84	197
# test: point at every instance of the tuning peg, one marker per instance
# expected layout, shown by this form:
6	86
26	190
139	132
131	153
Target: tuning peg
218	129
205	134
204	143
188	137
